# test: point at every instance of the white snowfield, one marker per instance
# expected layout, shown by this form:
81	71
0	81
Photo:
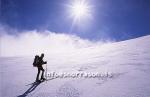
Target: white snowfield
128	62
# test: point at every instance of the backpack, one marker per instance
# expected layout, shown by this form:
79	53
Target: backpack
36	61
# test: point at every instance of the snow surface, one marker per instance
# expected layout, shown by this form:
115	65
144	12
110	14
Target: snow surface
127	61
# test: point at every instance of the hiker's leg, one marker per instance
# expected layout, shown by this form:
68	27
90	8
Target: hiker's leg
37	77
42	76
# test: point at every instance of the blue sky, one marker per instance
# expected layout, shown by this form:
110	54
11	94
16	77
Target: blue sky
111	19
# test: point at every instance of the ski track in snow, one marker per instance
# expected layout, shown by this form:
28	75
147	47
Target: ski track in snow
128	61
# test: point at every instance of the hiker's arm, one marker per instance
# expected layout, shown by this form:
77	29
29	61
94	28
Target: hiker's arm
44	62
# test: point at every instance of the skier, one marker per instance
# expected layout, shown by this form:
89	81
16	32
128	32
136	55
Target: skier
40	68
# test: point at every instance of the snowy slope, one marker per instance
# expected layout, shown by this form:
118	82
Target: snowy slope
127	61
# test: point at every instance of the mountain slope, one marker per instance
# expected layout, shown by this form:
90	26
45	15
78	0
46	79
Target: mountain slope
127	63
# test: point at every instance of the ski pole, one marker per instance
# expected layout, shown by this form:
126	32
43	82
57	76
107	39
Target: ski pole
46	72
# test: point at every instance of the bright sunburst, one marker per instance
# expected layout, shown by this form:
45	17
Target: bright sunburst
79	9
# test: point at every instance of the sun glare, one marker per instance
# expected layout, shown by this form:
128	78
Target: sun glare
79	9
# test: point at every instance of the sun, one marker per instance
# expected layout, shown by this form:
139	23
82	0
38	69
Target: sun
79	10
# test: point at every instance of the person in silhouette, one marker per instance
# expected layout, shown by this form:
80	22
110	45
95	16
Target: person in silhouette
40	68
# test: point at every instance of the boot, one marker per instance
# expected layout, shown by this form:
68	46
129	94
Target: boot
38	80
43	79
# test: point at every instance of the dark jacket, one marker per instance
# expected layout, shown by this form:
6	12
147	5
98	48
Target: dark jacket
41	62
